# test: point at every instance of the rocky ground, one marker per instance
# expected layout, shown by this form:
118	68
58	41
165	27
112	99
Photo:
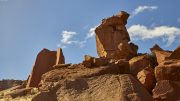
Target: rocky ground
118	74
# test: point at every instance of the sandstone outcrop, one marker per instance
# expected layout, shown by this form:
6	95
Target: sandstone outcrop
112	38
118	74
117	88
44	61
80	71
168	70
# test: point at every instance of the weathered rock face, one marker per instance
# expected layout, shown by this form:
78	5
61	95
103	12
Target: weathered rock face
166	90
60	57
103	88
112	38
168	70
139	63
80	71
147	78
79	83
44	61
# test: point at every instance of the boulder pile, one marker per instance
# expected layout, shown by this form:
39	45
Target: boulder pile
119	73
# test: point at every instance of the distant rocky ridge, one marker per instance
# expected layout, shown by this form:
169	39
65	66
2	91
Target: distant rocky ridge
7	83
118	74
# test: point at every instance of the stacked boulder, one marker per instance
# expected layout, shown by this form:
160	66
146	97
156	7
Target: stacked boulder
112	38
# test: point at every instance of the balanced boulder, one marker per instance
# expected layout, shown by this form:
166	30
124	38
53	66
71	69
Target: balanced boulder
112	38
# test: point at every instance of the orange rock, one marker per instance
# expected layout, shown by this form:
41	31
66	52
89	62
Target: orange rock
60	57
90	61
168	70
139	63
147	78
166	90
161	55
44	61
112	38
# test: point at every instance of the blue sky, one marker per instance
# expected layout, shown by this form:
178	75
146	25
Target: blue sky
27	26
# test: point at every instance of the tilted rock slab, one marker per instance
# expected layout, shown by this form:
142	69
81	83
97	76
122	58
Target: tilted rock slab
60	57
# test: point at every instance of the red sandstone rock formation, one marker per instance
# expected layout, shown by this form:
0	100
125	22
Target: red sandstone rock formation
112	38
112	76
44	61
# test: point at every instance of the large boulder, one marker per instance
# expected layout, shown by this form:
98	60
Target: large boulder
139	63
168	70
44	61
103	88
112	38
166	90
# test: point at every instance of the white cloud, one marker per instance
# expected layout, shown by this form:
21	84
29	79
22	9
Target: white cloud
141	9
67	36
67	39
91	32
141	32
